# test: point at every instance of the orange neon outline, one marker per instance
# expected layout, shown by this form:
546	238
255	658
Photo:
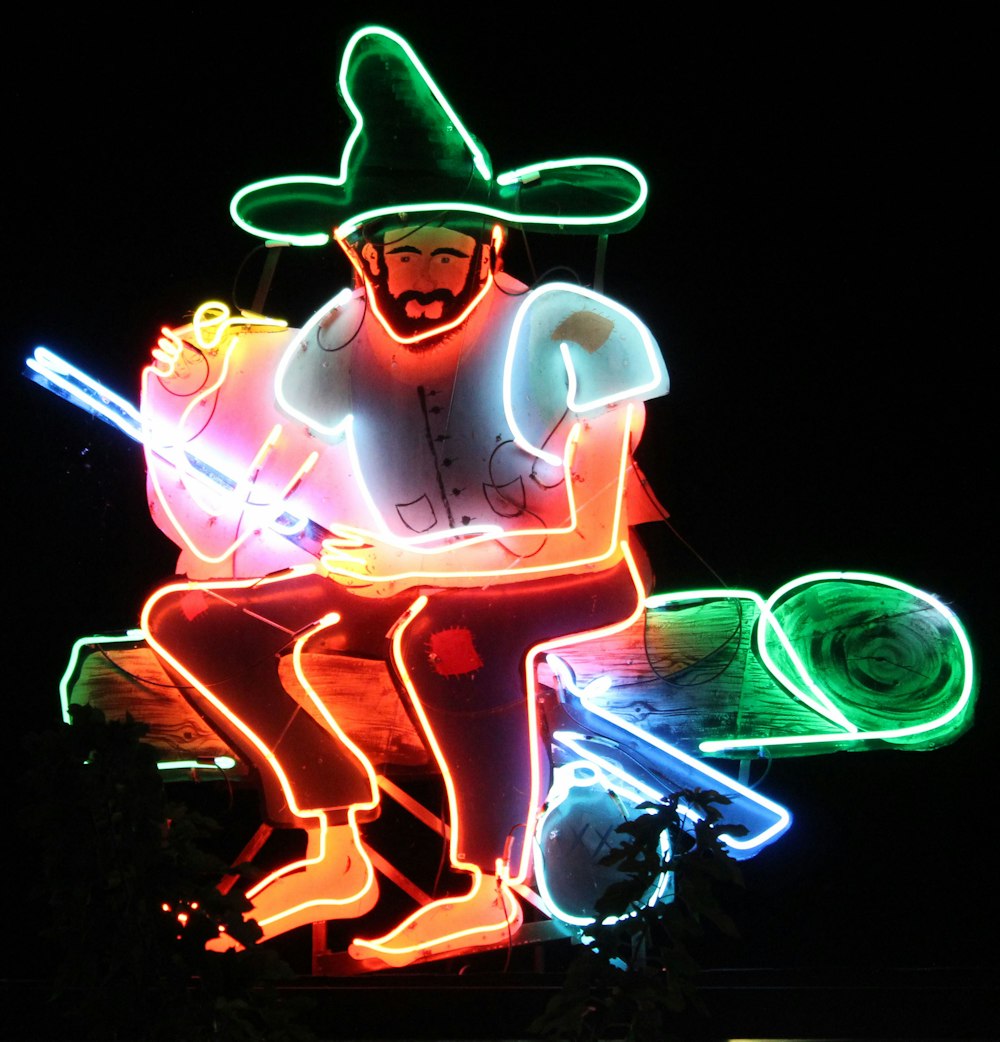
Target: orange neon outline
531	692
512	911
380	944
305	814
505	876
531	687
386	324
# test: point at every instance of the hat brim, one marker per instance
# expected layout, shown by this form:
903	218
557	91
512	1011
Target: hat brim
592	195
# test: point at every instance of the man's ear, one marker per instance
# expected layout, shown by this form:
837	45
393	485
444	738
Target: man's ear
487	262
493	251
370	256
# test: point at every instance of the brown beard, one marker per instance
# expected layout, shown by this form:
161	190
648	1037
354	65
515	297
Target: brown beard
393	309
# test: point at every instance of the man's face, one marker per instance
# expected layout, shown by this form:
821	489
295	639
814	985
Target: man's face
424	277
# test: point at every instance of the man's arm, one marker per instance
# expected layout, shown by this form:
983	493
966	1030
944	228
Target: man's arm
573	351
223	467
583	533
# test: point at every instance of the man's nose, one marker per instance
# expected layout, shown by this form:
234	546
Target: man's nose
424	277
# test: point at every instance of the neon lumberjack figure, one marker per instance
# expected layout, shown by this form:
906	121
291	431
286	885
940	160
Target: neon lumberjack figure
465	444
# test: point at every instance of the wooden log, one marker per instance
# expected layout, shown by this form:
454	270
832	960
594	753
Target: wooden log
123	679
687	671
127	678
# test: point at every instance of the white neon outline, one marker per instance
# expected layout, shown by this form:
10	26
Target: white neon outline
343	428
267	515
98	399
857	735
782	816
523	175
520	175
657	378
221	762
479	160
87	392
129	637
493	213
557	795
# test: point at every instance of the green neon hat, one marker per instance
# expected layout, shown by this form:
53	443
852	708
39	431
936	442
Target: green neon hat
409	153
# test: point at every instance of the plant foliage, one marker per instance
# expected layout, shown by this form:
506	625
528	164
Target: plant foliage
636	969
126	887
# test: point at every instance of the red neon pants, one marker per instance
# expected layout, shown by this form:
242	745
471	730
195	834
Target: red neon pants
464	653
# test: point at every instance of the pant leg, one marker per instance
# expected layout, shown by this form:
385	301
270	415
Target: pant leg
229	637
465	654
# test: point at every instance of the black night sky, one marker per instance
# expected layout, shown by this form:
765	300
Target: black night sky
813	262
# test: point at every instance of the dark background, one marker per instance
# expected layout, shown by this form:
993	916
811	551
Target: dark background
813	261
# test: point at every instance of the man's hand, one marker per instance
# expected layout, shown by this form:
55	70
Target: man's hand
347	553
178	364
168	353
364	556
181	352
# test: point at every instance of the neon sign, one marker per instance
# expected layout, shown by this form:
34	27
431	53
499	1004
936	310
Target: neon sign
293	209
434	475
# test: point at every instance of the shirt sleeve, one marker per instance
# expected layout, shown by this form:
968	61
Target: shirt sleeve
575	351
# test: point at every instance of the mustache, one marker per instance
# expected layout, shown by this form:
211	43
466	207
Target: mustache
444	295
